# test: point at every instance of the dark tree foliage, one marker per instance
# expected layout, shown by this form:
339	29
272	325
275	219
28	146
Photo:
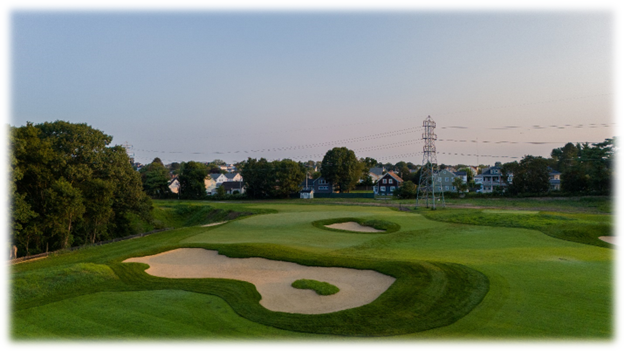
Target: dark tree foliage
70	187
288	176
591	171
341	167
155	178
529	176
192	180
265	179
258	176
407	190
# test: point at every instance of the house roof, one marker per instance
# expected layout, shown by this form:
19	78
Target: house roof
393	175
215	175
231	175
307	191
461	173
377	170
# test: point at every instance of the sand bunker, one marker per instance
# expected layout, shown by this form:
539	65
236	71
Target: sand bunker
273	279
213	224
609	239
354	227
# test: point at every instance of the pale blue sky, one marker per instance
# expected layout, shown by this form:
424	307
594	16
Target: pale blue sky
186	85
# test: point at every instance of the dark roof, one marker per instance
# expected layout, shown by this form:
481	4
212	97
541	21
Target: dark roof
377	170
307	190
231	175
391	174
461	173
215	175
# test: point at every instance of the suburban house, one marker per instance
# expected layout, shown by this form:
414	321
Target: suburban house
218	178
554	178
387	184
317	186
463	175
234	177
233	187
444	180
492	178
174	185
210	184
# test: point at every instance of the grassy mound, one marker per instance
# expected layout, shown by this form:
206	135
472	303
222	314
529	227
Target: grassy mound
575	227
388	227
321	288
425	295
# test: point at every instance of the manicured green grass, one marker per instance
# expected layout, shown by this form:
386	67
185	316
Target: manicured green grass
321	288
497	282
576	227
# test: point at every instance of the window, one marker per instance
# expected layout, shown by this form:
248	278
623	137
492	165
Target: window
389	181
446	188
391	189
322	181
323	188
383	189
446	179
385	180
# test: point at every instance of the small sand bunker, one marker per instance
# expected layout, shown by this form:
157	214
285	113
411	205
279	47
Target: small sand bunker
213	224
354	227
609	239
273	279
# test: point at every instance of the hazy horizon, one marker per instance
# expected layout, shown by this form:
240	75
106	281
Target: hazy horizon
230	85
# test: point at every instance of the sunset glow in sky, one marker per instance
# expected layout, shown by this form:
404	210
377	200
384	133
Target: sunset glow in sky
207	85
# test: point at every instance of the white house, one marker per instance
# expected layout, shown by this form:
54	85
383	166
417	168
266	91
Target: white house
174	185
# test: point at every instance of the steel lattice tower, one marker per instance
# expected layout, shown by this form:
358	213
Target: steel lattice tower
427	181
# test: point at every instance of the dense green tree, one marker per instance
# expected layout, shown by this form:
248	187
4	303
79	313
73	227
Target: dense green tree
258	178
529	176
65	208
367	164
460	185
155	178
407	190
591	171
566	157
288	176
341	167
63	176
192	180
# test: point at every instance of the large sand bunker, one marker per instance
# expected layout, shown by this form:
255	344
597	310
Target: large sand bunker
354	227
273	279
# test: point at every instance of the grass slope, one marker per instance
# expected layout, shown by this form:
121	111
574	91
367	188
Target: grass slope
321	288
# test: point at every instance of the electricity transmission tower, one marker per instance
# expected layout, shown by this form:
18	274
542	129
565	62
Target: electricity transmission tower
428	174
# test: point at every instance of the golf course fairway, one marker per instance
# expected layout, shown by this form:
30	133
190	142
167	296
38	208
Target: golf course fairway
454	281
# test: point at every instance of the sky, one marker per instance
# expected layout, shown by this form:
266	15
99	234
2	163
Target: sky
205	85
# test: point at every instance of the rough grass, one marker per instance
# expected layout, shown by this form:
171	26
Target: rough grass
387	226
321	288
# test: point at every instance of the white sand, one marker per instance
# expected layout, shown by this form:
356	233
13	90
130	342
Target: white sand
354	227
213	224
609	239
273	279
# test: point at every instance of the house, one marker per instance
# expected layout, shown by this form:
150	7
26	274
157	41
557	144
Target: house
233	187
174	185
478	179
318	185
234	177
213	181
493	178
387	184
463	175
444	180
554	178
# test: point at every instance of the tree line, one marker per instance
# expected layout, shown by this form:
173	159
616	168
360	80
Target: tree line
69	187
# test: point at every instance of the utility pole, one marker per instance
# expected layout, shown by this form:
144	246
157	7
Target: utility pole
427	181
